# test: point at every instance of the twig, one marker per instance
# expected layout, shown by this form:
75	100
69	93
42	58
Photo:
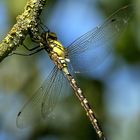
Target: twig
26	22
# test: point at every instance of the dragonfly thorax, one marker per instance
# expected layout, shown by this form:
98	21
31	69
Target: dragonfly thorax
55	49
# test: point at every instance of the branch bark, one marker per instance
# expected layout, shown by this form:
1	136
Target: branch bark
27	21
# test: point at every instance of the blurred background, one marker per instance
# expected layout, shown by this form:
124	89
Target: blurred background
113	90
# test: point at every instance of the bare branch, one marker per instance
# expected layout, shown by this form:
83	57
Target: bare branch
28	20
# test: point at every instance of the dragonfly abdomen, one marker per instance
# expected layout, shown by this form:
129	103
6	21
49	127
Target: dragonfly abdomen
78	92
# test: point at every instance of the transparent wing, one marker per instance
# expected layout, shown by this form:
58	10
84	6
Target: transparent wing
43	101
98	41
61	85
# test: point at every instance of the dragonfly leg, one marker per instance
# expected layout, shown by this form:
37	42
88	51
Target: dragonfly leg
32	49
24	54
43	26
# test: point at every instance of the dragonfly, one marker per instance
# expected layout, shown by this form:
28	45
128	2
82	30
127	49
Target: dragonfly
44	100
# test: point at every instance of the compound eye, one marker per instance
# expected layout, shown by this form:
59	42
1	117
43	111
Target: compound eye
52	36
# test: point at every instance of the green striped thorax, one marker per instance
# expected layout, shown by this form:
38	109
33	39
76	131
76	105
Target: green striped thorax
53	45
55	50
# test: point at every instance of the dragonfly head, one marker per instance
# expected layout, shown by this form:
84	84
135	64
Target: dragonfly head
51	35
